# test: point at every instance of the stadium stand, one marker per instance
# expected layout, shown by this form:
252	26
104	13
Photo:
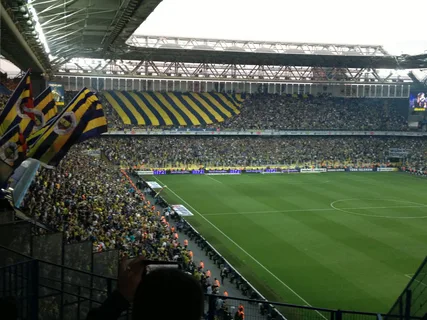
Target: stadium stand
277	112
231	152
63	201
173	108
253	112
117	221
4	90
3	100
60	250
128	223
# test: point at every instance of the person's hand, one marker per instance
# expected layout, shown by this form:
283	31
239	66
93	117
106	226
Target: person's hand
130	273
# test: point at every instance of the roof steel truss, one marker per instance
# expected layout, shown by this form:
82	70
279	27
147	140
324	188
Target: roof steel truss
156	42
162	69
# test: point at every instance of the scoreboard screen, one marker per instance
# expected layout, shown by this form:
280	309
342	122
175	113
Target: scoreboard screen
418	101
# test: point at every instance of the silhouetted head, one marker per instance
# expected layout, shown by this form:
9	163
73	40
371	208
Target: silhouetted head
165	294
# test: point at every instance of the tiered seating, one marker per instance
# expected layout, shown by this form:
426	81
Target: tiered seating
174	108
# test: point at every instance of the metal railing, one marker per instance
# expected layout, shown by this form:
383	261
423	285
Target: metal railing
41	295
45	290
261	309
20	282
413	300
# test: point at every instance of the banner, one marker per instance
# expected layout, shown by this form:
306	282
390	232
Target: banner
315	170
260	171
271	171
181	210
254	171
291	171
144	173
222	172
154	185
361	169
179	172
387	169
58	93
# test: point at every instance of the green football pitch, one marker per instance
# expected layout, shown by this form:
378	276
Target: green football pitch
334	240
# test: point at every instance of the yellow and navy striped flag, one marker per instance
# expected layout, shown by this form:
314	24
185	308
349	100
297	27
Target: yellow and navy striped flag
13	147
18	106
82	119
44	109
36	134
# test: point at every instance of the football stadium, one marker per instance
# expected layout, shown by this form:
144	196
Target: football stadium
220	161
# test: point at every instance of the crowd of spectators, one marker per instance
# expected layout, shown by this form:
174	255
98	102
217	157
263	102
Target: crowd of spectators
101	206
231	151
88	199
10	84
3	100
281	112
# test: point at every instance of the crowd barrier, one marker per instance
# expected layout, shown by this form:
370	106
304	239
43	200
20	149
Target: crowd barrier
41	295
209	132
416	172
412	302
260	171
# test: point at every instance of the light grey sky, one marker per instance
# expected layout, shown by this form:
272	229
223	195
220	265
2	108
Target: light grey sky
394	24
9	68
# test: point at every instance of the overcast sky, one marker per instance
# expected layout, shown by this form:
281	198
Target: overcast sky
394	24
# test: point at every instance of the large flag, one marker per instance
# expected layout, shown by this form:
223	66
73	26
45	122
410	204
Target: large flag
44	109
18	106
13	147
82	119
32	139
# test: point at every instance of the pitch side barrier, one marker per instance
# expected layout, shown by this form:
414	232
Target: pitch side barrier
259	171
416	172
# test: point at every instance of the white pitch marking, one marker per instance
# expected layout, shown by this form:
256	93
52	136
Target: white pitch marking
259	212
243	250
418	205
307	210
214	179
389	207
420	282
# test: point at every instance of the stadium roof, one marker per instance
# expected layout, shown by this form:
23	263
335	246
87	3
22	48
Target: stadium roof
68	28
104	29
192	50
